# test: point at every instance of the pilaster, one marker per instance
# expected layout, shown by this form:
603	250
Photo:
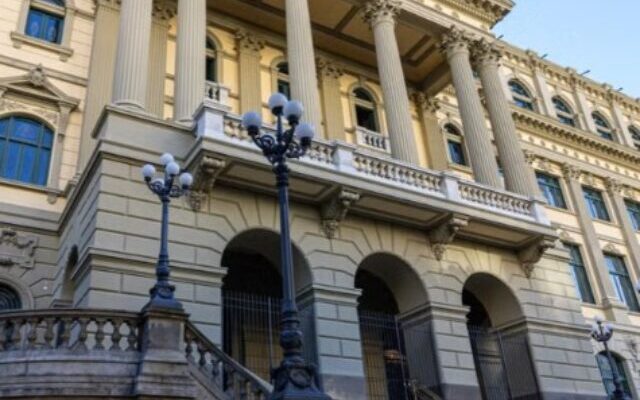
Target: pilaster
538	68
434	136
622	128
163	11
615	190
248	47
330	74
584	111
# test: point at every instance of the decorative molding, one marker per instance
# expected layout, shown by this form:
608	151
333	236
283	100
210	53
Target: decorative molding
334	210
613	186
328	68
571	172
376	11
485	52
454	40
247	41
444	231
17	249
612	249
164	10
564	236
20	39
533	252
489	11
425	102
206	173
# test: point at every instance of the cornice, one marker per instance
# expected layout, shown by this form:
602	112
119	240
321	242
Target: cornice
488	11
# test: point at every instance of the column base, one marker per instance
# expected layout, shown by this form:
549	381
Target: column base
297	382
129	104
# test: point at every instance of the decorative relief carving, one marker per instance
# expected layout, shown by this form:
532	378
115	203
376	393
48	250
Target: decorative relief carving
376	11
204	179
484	52
164	9
428	104
611	248
564	236
613	185
328	68
571	172
7	105
444	232
533	252
16	249
246	41
335	210
455	40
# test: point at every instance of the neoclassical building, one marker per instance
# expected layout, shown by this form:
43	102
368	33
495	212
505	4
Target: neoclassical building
465	212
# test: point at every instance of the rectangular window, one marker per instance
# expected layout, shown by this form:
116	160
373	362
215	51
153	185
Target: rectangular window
621	281
579	273
44	25
456	152
633	209
551	190
595	204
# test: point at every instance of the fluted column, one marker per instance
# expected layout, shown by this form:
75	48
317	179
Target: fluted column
132	56
190	58
248	47
301	58
518	176
615	189
455	44
381	15
330	74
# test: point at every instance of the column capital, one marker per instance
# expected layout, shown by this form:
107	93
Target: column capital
455	40
575	79
425	102
613	186
484	52
247	41
535	62
328	68
376	11
115	4
571	172
612	95
530	157
164	9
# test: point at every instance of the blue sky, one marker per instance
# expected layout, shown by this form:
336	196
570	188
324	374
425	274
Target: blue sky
600	35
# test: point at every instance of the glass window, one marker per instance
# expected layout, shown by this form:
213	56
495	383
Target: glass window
521	96
551	190
563	111
9	299
595	204
44	25
25	150
602	126
635	136
283	79
621	281
211	73
579	273
607	375
365	110
633	208
455	145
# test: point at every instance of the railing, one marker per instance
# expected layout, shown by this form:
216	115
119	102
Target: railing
372	140
223	372
216	92
492	198
69	330
390	170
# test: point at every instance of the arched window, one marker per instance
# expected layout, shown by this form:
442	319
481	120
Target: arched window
607	373
602	126
211	69
9	298
455	144
365	110
45	20
563	111
25	150
521	95
283	79
635	136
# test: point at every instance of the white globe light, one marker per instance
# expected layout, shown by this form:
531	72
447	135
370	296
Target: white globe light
251	120
305	131
166	158
594	328
293	109
148	171
608	327
172	168
598	319
186	179
277	100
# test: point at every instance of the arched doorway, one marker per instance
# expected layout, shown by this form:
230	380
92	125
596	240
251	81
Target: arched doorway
9	298
397	343
251	296
499	343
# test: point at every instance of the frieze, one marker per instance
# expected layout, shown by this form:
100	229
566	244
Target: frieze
7	105
17	249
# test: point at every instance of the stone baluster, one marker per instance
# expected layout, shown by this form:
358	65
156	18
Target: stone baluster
381	15
518	175
132	55
455	44
190	58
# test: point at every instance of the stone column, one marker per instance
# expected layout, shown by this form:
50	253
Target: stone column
538	67
455	44
191	56
584	111
163	11
248	47
615	189
101	73
132	57
330	74
435	140
381	15
301	58
518	176
592	246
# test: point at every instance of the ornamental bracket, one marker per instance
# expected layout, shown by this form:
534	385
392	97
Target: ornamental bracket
444	231
334	210
205	175
531	253
16	249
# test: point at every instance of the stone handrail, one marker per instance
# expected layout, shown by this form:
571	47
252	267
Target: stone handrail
372	140
216	92
225	373
511	202
75	330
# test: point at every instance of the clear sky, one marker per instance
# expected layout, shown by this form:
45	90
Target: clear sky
600	35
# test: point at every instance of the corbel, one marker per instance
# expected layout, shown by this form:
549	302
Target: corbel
531	253
205	175
444	231
335	208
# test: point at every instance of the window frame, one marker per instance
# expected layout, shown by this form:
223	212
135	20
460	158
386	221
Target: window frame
634	133
557	188
577	264
634	215
596	214
456	137
621	279
607	382
525	101
566	117
370	105
282	78
603	126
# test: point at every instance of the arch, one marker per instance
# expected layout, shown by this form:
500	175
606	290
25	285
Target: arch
9	298
456	148
213	59
23	292
499	301
564	111
521	94
365	108
606	372
603	126
280	76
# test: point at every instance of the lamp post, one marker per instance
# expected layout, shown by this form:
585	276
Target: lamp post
602	333
166	189
294	378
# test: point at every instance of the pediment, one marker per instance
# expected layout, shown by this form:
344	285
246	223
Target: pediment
36	84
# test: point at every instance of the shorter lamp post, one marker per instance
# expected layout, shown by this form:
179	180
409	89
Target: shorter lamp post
294	379
166	189
602	333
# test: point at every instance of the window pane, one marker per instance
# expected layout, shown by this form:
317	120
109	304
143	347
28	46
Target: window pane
550	188
4	124
25	130
53	29
13	157
26	152
566	120
579	274
456	153
283	87
44	26
47	139
595	204
366	118
27	164
621	281
211	69
35	23
633	209
43	168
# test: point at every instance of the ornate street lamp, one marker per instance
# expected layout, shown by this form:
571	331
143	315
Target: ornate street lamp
166	189
294	378
602	333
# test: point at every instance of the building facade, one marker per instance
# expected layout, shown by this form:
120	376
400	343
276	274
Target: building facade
466	211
